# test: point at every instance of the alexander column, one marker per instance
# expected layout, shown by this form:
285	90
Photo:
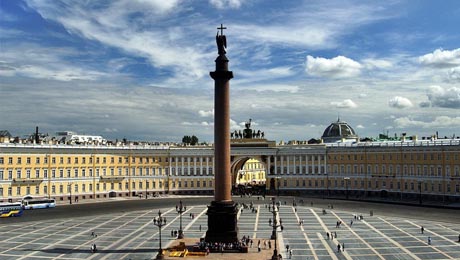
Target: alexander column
222	213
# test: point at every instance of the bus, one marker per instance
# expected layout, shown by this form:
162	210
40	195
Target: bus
38	203
10	210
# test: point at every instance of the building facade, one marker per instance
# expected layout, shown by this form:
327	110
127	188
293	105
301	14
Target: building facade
415	169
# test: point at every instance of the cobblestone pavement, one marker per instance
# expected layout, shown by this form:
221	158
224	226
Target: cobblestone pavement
132	235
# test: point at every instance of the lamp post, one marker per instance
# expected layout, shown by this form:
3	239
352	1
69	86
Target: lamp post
159	221
275	226
70	192
346	186
180	209
278	185
420	191
146	183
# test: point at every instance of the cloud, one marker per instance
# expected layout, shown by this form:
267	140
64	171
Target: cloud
441	58
438	122
347	103
208	113
338	67
221	4
400	102
453	75
377	64
440	97
425	104
114	25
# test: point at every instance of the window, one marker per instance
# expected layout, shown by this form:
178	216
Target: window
19	160
28	162
1	161
10	160
18	190
27	175
18	174
37	160
1	176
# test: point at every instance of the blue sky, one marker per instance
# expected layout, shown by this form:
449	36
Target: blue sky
139	69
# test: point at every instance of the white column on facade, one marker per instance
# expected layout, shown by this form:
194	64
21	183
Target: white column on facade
276	165
306	165
288	164
201	165
207	165
267	171
282	165
294	165
182	165
312	164
177	158
300	164
319	164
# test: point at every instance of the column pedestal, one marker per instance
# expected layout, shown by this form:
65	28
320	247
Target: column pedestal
222	222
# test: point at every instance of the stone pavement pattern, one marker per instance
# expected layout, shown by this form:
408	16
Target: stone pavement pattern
132	235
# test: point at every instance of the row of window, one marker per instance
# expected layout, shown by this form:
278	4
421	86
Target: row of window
408	170
83	160
40	173
88	187
406	156
375	184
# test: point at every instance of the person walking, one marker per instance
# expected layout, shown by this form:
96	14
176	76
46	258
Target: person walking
338	247
343	247
429	240
422	229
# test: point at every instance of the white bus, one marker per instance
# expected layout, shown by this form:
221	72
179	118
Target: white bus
38	203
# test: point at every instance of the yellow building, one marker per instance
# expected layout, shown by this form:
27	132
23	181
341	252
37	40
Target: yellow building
405	170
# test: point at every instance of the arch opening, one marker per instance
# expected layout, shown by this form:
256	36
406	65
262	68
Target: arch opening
248	176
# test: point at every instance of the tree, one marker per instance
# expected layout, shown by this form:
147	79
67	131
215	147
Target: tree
191	140
194	140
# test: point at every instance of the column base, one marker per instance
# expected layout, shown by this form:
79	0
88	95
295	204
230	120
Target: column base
222	222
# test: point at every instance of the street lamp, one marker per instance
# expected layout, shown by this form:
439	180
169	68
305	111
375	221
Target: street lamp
346	185
70	192
420	191
159	221
180	209
275	226
278	185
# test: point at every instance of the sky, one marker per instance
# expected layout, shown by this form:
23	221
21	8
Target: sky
139	69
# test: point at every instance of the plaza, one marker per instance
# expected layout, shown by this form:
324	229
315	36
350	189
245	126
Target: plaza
129	234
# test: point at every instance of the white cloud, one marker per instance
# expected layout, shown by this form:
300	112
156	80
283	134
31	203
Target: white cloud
360	127
347	103
221	4
453	74
438	122
440	97
208	113
441	58
338	67
400	102
377	63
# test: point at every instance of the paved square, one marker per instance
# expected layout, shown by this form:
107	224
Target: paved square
132	235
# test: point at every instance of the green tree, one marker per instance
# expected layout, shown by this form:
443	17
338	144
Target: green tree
194	140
